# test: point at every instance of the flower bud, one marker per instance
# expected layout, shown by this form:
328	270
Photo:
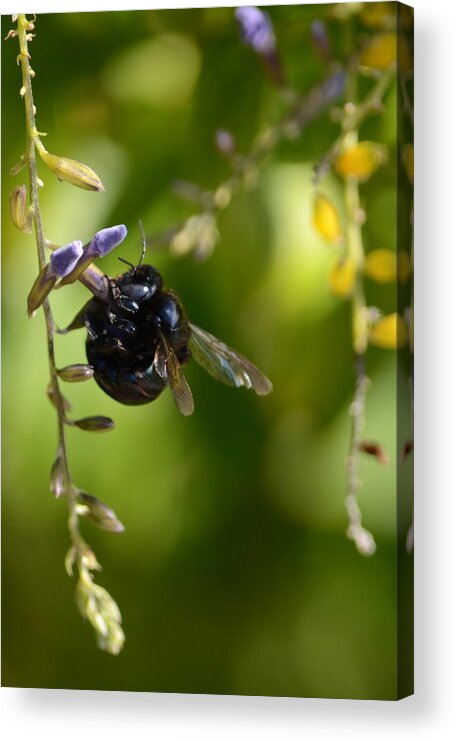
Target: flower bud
62	262
381	265
374	449
95	604
199	234
89	560
257	32
70	560
76	372
40	290
99	513
64	259
71	171
96	423
321	41
256	29
325	218
361	160
21	216
362	538
342	277
100	245
390	332
380	52
225	142
58	480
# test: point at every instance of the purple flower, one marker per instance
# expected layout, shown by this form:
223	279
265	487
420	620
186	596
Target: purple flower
69	262
256	29
333	87
100	245
104	241
321	41
225	142
64	259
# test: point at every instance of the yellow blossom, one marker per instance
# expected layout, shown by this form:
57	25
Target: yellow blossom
390	332
361	160
380	52
381	265
342	277
325	218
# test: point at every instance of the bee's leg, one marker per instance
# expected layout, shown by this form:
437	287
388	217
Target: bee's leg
79	320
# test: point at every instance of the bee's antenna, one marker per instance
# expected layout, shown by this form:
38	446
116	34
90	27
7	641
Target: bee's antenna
144	242
127	262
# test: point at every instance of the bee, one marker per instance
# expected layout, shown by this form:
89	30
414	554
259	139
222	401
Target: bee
139	338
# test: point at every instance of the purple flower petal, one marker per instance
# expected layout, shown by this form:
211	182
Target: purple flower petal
256	29
105	240
333	87
321	40
64	259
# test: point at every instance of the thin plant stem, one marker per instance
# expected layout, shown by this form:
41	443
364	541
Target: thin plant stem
362	538
353	118
57	398
94	601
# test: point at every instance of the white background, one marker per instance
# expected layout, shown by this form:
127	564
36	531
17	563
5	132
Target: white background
76	715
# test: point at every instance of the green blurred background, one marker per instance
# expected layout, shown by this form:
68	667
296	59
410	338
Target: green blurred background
234	574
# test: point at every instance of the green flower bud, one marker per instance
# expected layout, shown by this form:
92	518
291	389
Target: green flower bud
58	480
22	217
61	263
76	372
69	170
95	604
96	511
96	423
70	560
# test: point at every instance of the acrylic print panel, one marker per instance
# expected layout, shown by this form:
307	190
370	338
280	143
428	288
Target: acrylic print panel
254	540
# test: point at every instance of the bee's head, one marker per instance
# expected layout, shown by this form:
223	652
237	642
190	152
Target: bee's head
137	286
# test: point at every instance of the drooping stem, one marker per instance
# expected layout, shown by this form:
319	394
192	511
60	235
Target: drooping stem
300	111
362	538
23	28
354	116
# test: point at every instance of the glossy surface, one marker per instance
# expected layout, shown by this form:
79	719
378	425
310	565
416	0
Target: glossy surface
125	332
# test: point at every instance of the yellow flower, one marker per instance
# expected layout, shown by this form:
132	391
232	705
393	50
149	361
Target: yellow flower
361	160
342	277
380	52
381	265
390	332
408	161
403	265
325	218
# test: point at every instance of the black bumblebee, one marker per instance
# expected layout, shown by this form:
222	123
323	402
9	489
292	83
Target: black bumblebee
139	337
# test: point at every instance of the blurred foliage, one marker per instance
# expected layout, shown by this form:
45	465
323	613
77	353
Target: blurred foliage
234	574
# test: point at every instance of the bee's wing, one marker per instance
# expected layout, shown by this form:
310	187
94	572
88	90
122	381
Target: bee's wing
168	367
225	364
